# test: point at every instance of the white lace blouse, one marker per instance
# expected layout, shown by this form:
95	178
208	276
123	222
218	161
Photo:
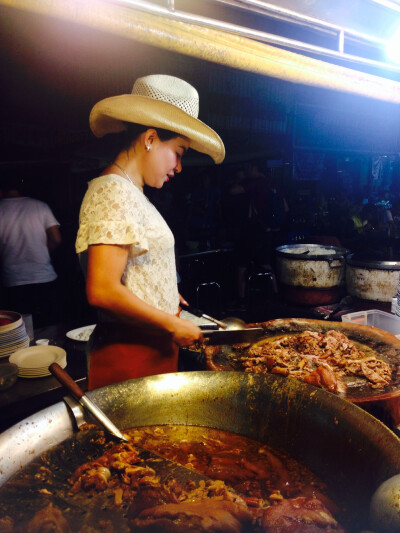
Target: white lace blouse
114	211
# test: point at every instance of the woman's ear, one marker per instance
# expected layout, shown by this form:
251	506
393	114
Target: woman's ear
150	136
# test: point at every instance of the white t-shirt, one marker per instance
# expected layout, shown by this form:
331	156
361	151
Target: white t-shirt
24	256
114	211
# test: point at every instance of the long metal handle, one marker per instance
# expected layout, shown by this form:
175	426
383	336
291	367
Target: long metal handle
199	313
65	379
218	322
102	418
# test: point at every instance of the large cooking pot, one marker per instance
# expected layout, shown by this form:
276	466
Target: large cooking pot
372	279
345	446
311	274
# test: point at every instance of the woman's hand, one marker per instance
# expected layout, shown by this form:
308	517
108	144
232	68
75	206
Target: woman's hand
186	333
182	300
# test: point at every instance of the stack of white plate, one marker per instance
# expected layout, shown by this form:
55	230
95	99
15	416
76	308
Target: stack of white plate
34	362
12	333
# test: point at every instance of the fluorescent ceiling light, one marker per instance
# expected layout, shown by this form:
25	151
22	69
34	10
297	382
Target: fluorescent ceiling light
393	47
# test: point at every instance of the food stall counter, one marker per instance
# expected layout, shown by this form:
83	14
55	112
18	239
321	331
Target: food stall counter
29	395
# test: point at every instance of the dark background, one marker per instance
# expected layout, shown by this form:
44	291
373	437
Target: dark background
53	72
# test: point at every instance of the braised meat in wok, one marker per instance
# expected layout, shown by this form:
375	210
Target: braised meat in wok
251	488
322	359
330	360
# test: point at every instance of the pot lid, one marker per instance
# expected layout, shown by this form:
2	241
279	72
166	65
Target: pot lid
311	252
372	261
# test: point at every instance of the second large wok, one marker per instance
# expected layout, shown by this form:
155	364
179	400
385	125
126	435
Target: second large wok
383	343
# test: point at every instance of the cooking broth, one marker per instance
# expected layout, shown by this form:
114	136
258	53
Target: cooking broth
260	477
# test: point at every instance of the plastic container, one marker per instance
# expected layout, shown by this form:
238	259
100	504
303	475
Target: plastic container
377	319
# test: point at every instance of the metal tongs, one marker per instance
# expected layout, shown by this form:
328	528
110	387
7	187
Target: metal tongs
233	330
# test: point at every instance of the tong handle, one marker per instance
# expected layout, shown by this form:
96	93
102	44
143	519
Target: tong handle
199	313
193	310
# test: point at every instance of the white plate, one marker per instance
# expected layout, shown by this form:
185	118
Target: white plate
81	334
40	370
26	374
36	357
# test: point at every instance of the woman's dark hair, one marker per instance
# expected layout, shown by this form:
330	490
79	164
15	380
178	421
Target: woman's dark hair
132	132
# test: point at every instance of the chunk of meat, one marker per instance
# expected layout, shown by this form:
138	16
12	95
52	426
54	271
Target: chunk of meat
210	516
325	378
48	520
149	497
90	475
227	468
299	515
377	372
210	352
122	460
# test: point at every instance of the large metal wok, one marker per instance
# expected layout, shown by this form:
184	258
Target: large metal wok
344	445
383	403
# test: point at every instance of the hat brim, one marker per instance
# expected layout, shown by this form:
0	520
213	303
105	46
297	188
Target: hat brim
108	115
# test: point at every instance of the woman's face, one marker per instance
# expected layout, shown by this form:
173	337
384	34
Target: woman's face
163	160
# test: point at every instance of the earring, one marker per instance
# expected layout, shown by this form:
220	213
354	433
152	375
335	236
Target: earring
147	148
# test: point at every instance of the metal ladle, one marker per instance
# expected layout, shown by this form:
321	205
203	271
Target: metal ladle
234	323
385	506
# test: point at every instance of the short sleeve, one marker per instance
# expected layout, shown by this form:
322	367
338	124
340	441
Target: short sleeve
112	212
49	220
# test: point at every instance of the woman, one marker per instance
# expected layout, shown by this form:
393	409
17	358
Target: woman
124	242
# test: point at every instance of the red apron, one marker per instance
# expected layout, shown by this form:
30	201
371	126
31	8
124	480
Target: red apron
117	352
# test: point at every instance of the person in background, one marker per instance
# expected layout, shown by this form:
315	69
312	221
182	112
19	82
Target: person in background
124	244
29	232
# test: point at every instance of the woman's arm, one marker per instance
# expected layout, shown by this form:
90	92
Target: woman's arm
106	264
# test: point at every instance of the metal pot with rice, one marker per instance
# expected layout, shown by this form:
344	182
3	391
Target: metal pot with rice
311	274
372	279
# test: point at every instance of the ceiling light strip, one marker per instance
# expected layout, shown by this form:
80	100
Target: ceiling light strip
389	4
214	46
255	34
299	18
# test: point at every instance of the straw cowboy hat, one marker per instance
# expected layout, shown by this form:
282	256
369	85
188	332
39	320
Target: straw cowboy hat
159	101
